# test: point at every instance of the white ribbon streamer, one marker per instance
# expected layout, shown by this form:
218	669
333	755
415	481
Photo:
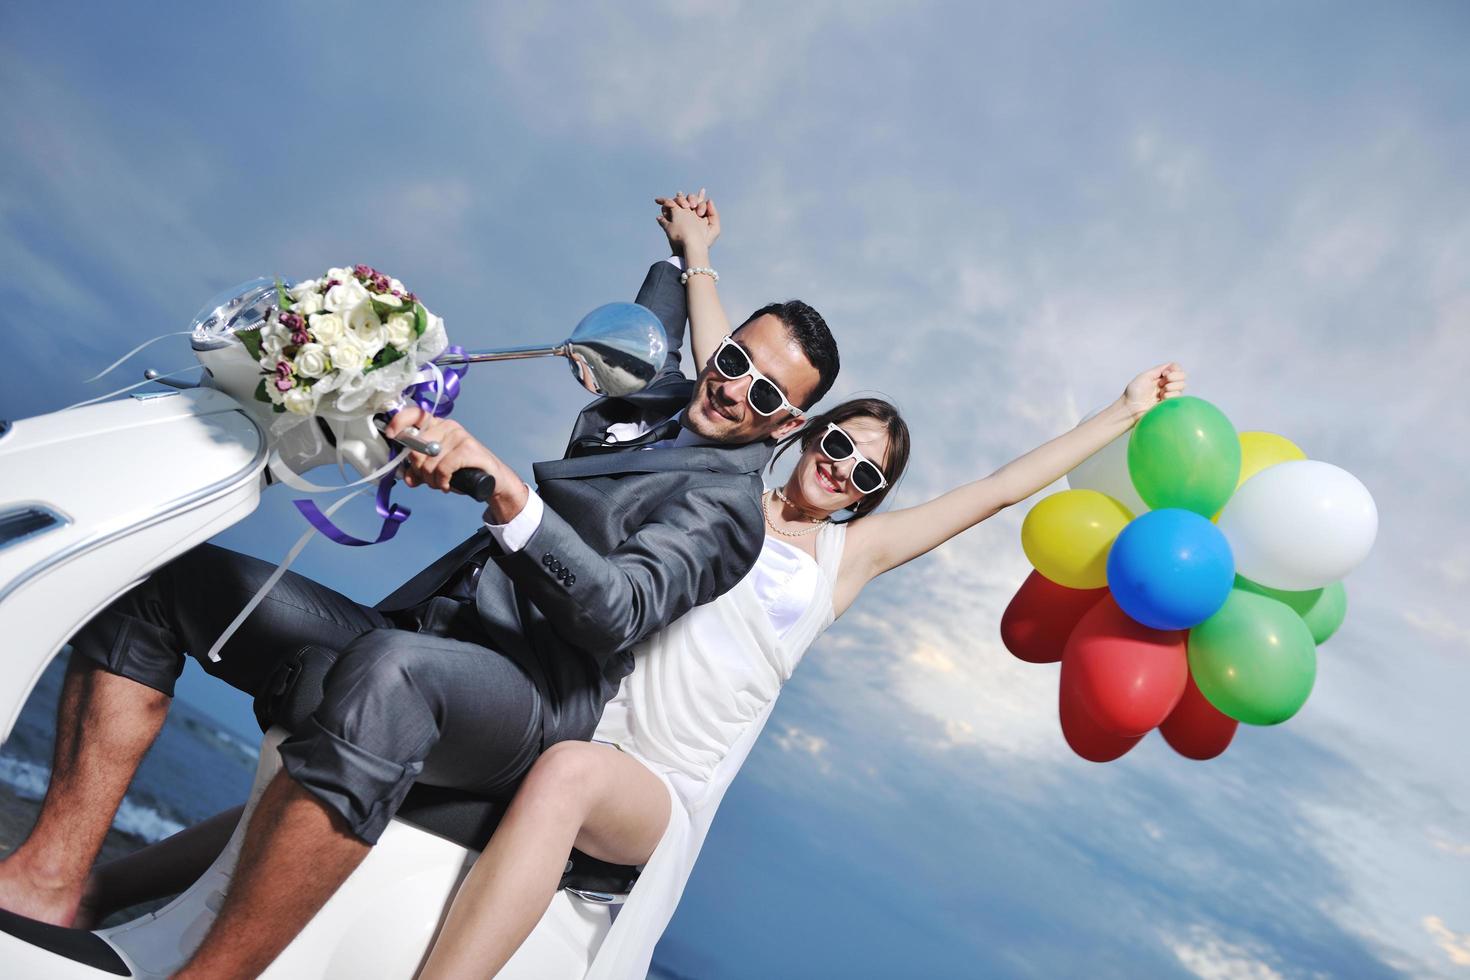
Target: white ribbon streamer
147	343
121	391
275	577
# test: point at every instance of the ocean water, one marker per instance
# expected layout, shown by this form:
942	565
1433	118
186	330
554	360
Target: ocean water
194	770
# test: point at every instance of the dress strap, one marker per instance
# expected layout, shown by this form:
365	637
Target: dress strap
830	542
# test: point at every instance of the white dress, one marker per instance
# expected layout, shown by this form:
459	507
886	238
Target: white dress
699	694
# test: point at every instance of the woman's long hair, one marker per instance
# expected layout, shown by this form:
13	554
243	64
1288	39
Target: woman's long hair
879	411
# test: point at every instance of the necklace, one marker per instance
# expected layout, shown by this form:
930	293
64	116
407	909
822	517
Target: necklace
766	508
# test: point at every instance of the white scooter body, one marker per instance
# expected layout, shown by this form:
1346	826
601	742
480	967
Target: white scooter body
180	467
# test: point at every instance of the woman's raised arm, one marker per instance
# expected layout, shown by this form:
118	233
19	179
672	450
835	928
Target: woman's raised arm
881	542
693	224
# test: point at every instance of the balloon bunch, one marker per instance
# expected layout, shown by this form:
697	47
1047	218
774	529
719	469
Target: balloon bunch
1185	581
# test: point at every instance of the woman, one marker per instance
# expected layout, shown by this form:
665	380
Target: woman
684	720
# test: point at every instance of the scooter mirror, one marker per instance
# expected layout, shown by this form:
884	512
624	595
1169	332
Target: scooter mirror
237	308
617	349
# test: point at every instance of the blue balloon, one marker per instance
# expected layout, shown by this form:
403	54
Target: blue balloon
1170	569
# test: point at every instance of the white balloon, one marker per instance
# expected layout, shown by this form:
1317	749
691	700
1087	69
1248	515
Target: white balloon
1299	525
1106	471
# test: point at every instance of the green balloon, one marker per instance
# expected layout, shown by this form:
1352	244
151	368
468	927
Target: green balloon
1323	610
1254	659
1184	453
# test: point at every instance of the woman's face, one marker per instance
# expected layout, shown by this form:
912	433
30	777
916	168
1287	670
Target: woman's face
826	485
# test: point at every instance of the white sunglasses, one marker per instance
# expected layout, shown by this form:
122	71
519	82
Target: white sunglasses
837	445
764	396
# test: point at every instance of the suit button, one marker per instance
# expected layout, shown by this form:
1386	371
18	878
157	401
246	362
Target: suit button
571	579
546	559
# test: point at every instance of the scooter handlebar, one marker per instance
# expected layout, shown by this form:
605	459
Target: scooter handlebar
473	483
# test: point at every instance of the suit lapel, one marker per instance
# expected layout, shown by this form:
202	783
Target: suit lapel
661	399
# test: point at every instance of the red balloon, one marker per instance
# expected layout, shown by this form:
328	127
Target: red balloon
1039	619
1196	729
1086	737
1128	676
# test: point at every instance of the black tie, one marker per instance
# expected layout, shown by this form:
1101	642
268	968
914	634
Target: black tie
592	445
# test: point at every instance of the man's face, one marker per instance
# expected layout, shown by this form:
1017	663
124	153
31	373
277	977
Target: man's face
719	409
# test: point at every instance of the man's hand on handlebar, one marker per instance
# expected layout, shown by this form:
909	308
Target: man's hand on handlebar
457	450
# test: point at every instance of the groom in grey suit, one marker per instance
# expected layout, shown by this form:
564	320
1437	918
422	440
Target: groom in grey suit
512	641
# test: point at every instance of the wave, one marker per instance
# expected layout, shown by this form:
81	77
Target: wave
29	782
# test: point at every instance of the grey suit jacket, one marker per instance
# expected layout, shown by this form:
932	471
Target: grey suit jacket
629	542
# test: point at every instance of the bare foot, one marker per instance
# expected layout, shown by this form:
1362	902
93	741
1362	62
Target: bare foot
29	895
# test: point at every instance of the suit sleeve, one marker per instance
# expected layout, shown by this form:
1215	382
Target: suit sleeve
662	293
694	547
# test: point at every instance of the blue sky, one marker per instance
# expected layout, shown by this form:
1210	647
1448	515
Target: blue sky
1005	211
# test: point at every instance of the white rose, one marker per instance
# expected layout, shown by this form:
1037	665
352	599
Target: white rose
339	274
399	330
347	355
344	296
304	289
365	327
301	400
277	396
268	362
273	337
327	328
396	286
308	304
311	361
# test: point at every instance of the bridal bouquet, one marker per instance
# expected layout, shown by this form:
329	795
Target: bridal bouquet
344	347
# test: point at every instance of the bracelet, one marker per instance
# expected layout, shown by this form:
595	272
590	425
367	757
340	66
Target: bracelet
698	270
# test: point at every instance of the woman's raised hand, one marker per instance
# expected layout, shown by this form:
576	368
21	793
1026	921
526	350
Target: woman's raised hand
689	219
1152	387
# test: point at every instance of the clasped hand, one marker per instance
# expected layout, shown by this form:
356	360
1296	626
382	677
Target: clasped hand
691	222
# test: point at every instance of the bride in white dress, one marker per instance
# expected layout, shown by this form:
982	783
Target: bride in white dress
683	722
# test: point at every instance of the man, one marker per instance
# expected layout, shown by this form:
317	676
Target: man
512	641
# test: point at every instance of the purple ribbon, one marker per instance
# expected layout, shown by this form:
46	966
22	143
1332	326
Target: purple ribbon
433	398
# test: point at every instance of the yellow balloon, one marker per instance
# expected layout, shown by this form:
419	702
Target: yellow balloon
1067	536
1259	450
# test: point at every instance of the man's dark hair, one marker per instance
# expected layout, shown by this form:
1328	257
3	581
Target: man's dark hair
809	330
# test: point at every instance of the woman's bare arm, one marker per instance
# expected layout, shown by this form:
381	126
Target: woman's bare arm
881	542
693	224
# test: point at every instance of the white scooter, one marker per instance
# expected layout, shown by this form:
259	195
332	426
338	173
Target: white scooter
68	547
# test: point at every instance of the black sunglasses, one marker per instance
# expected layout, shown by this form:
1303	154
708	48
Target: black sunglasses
733	362
837	445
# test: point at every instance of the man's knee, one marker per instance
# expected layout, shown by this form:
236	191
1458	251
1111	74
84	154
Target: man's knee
383	657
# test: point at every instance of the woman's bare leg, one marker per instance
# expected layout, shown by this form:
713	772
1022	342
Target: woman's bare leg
156	871
580	794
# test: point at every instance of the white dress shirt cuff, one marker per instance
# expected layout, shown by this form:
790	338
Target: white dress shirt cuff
512	536
676	261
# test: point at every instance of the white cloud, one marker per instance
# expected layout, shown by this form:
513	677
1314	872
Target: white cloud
1456	946
1209	957
671	76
